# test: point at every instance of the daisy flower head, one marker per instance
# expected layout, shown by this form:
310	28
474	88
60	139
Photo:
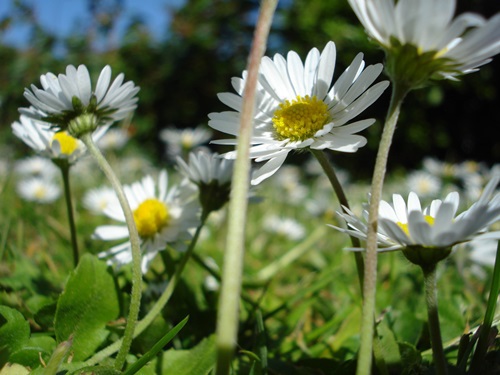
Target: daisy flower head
98	199
68	102
212	174
182	141
49	142
422	39
37	189
298	108
426	236
36	166
162	216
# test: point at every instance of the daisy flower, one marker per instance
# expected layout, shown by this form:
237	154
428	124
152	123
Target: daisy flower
98	199
298	109
36	166
40	190
212	175
50	143
426	32
181	141
66	97
427	235
286	227
162	216
423	183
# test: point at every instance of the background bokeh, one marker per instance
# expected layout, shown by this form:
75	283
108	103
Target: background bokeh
205	42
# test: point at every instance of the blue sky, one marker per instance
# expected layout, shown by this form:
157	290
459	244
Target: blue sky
62	16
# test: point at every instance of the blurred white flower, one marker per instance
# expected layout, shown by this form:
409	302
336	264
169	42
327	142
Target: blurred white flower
40	190
114	139
36	166
47	142
423	183
181	141
286	227
97	200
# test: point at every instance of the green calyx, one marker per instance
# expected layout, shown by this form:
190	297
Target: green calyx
85	123
79	113
213	196
412	68
426	257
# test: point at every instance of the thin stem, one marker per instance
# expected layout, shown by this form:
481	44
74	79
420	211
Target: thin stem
157	307
339	191
135	297
370	275
484	335
228	317
433	320
64	167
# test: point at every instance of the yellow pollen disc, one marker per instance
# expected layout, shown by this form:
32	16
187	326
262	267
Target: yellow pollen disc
301	118
67	142
404	226
40	192
150	217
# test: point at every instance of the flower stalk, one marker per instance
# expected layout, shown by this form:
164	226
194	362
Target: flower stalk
135	299
433	320
64	166
228	316
370	275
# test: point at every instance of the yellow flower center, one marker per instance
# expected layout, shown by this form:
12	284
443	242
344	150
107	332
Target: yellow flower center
67	142
404	226
150	217
40	192
301	118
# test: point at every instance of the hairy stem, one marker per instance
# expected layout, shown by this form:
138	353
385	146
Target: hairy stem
64	167
135	300
370	275
228	314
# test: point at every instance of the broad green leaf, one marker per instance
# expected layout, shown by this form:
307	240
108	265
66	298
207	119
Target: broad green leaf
196	361
37	347
89	301
14	332
388	346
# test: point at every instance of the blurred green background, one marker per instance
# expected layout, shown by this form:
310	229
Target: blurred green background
206	42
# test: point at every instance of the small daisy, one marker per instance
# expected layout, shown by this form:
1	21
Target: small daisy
182	141
38	190
405	226
36	166
286	227
97	200
114	139
423	183
162	217
65	97
53	144
298	109
212	175
449	46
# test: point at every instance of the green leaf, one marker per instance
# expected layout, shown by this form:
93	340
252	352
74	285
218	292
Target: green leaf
196	361
14	332
37	347
88	302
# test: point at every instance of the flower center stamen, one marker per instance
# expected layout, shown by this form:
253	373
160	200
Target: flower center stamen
151	217
404	226
67	143
301	118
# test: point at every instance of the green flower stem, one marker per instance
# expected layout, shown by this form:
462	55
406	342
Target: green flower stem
228	317
135	300
433	320
484	335
157	307
337	187
64	167
370	275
